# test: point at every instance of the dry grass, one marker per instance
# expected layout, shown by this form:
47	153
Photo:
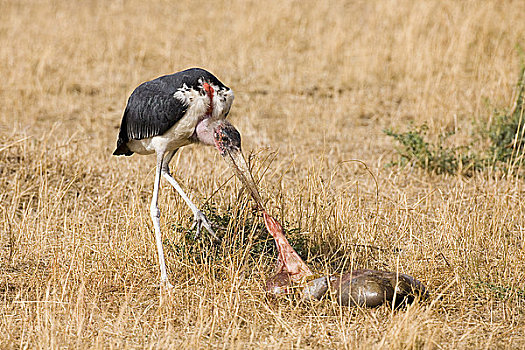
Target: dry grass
316	83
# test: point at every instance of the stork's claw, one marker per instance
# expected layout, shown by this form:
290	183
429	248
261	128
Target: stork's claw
167	285
199	219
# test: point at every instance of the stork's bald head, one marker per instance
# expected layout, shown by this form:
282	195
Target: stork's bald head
227	138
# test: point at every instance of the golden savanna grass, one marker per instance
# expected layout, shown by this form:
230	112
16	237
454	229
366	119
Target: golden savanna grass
316	83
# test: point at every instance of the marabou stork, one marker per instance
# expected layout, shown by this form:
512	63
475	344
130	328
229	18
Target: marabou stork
173	111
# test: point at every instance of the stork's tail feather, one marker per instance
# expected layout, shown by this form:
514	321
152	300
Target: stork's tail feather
122	150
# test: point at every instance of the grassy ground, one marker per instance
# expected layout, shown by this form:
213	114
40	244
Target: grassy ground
315	84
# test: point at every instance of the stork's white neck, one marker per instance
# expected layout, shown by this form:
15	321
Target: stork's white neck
217	101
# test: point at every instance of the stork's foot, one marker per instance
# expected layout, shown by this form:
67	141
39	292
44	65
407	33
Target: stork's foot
199	220
166	285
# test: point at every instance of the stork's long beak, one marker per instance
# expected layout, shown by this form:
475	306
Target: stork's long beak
228	142
237	162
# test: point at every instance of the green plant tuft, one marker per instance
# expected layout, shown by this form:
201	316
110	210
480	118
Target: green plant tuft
505	139
436	158
506	134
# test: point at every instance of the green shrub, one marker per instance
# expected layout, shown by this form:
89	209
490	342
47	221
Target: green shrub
505	139
436	158
506	134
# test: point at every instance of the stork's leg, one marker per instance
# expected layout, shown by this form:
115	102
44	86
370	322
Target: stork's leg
199	219
155	217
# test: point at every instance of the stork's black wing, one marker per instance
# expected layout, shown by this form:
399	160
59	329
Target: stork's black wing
148	113
152	109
